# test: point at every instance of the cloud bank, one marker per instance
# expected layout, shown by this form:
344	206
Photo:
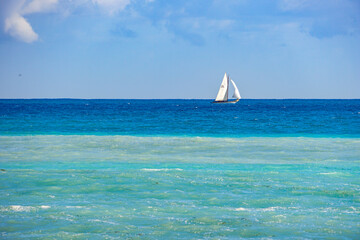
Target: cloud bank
17	26
192	21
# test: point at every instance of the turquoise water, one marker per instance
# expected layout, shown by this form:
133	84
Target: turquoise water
127	173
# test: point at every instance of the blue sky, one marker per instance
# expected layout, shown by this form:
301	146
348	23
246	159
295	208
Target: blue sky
179	49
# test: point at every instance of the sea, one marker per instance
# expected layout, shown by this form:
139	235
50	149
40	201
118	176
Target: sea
179	169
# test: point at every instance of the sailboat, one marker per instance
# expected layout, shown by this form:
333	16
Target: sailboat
222	96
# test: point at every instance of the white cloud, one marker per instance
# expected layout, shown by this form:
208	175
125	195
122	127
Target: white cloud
15	10
13	13
19	28
39	6
15	23
112	6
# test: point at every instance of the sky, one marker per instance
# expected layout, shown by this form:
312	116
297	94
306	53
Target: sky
136	49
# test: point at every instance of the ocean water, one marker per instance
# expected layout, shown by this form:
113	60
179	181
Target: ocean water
179	169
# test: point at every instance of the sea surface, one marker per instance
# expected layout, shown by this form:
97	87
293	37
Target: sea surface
179	169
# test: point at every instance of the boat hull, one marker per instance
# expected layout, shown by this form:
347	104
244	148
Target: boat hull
233	101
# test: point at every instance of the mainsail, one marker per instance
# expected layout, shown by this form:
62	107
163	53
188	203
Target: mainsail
222	95
236	92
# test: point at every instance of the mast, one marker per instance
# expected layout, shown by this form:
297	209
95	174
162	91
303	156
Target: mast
227	90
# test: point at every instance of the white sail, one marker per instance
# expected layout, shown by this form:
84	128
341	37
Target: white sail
236	92
223	90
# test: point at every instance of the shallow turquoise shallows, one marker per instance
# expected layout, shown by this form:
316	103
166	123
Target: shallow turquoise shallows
179	169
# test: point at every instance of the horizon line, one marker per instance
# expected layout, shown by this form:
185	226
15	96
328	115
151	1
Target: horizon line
70	98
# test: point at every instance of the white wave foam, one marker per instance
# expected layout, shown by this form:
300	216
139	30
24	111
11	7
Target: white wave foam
161	169
241	209
18	208
102	221
269	209
74	207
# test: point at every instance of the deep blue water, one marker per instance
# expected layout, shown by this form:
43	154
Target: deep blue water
181	117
